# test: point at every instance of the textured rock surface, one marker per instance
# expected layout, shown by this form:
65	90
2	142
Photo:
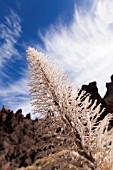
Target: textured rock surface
40	144
56	147
16	139
22	140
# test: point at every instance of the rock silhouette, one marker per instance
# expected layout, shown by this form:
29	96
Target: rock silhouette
108	98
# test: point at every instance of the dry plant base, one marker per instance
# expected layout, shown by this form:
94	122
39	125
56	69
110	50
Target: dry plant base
62	160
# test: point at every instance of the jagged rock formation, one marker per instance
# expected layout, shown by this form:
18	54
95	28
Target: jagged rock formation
108	98
45	143
106	101
16	139
92	89
56	147
23	141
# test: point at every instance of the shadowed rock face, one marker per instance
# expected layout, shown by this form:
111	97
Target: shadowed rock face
106	102
22	140
16	139
92	90
108	98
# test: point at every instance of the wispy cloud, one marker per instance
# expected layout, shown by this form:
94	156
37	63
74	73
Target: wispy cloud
10	32
85	47
14	94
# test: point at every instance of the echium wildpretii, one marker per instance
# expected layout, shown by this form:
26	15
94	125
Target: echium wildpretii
51	92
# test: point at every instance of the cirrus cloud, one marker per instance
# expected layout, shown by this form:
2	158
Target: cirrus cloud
14	92
10	32
85	47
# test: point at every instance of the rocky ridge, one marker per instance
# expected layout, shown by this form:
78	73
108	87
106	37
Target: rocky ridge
23	140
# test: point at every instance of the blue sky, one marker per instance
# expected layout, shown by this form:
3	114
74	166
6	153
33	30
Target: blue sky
78	35
21	23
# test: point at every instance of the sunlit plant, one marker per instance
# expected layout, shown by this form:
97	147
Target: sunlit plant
52	94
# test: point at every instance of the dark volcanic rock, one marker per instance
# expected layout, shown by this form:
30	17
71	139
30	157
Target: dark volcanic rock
22	140
16	139
108	98
92	90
